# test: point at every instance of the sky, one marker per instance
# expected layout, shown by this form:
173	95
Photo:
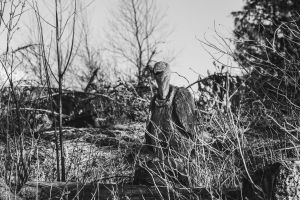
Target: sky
190	21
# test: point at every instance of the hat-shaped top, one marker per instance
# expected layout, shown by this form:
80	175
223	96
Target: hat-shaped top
161	67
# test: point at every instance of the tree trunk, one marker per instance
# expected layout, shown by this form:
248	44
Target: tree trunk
62	157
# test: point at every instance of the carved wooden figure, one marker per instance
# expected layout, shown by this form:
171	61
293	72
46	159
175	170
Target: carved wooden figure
171	126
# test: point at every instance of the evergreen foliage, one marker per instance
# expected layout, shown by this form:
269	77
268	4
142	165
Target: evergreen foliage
267	47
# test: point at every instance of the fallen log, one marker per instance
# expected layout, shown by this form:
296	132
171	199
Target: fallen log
97	191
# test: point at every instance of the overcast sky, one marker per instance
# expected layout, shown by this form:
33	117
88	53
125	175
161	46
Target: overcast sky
189	20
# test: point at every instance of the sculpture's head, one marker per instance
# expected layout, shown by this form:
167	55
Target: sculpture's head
162	74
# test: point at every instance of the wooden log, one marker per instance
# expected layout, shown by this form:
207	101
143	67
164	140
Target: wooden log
96	191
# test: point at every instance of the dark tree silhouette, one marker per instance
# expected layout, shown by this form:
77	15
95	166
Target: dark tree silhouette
267	47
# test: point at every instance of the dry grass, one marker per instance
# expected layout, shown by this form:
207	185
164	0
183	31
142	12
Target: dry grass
228	149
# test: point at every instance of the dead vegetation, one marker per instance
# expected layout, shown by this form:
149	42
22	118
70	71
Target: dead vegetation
64	144
228	154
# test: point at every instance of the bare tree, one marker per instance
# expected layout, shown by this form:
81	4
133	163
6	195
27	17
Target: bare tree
94	68
137	35
10	15
62	53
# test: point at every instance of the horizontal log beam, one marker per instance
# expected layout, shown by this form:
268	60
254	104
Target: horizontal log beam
34	190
